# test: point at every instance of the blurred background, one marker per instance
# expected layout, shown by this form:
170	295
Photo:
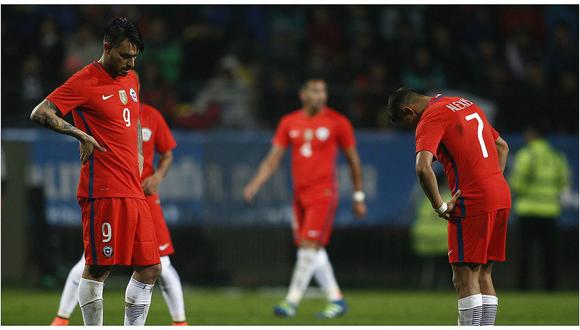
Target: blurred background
223	76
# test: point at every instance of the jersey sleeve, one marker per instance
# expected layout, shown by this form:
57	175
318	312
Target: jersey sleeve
69	95
281	137
494	133
346	134
429	134
164	140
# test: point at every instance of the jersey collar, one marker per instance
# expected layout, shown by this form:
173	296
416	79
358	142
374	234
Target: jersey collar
435	98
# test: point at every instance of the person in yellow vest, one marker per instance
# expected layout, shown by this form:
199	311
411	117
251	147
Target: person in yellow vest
539	176
429	239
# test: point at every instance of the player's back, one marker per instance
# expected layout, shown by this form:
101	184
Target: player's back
468	152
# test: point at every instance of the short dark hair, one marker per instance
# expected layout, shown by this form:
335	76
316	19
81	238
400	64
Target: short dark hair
121	29
397	99
309	80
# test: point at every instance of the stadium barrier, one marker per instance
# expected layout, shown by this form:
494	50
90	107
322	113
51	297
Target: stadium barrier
221	240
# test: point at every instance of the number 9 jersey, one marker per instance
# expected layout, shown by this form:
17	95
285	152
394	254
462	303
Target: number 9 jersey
457	132
106	108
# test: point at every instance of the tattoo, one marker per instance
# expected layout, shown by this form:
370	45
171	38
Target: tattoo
49	118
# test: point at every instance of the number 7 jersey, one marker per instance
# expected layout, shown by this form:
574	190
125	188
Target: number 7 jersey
457	132
108	109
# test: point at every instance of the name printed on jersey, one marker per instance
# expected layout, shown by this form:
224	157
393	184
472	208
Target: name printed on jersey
458	105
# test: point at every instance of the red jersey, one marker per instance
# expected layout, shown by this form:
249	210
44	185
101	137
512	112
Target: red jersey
457	132
156	137
314	141
106	108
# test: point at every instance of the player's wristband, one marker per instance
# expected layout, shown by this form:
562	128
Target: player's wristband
442	208
358	196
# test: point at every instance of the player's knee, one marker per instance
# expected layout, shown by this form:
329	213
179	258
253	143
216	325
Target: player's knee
485	277
153	272
99	273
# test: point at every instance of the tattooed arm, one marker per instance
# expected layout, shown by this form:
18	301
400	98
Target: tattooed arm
140	146
46	114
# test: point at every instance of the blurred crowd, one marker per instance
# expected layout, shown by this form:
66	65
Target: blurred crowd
239	67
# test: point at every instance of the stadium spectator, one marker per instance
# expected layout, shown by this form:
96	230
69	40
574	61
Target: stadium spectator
423	75
164	50
81	50
484	50
51	49
229	92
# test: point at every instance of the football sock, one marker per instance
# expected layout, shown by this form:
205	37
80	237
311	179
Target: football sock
70	294
303	269
91	301
137	302
324	275
470	309
170	285
489	309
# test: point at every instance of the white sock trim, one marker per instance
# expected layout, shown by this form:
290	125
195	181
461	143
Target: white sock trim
489	300
470	302
85	296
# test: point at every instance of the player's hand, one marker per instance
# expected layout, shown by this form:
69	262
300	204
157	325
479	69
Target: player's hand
88	146
250	192
360	209
151	184
451	205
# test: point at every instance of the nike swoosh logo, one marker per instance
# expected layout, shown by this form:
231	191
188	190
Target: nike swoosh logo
107	97
163	247
448	254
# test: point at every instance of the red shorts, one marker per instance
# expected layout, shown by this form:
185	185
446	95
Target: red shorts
313	217
118	231
161	231
478	239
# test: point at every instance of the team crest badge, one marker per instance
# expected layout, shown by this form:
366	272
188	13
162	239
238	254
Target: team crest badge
133	94
123	96
322	133
108	251
146	134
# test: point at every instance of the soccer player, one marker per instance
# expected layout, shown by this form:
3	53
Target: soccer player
314	133
156	138
456	132
117	225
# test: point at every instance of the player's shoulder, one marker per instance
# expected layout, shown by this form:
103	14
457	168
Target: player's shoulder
441	106
86	75
146	108
132	74
334	114
292	115
151	112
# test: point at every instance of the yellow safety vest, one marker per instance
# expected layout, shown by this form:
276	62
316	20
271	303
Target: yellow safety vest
538	177
429	232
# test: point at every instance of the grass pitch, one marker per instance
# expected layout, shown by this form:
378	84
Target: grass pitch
254	307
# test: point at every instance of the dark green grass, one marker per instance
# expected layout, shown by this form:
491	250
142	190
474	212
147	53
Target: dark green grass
254	307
